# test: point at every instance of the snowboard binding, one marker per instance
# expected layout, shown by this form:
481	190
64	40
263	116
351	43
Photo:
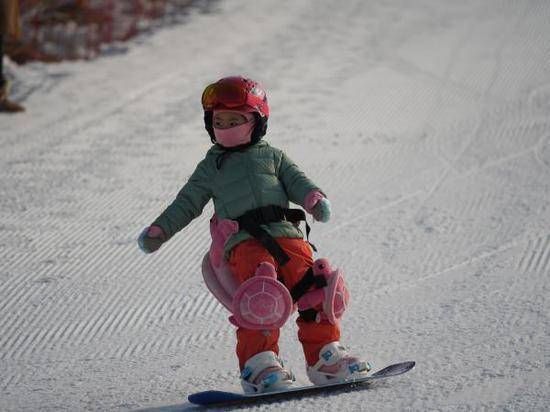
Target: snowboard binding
265	372
336	365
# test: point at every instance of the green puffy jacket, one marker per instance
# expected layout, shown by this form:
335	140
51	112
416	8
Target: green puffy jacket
260	175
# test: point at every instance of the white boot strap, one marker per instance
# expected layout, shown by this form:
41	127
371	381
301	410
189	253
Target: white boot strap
330	354
258	363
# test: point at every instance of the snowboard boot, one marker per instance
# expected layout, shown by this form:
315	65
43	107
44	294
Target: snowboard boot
336	365
265	372
6	105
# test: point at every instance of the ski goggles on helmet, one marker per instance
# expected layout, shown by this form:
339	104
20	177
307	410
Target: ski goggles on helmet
232	93
228	95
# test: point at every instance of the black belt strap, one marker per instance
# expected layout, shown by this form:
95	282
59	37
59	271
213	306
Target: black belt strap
304	284
302	287
252	220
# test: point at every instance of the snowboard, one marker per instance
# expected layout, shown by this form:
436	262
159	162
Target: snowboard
211	398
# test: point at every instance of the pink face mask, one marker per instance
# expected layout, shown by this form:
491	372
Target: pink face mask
238	135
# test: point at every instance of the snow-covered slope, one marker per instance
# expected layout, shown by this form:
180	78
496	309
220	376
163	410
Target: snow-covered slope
427	124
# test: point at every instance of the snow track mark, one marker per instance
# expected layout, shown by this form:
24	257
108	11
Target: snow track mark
536	257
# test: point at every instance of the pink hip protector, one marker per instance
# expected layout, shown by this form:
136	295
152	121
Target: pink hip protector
261	302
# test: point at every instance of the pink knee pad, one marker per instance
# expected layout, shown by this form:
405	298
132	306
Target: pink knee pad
333	298
262	302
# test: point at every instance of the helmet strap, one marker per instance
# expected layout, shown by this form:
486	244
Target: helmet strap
260	129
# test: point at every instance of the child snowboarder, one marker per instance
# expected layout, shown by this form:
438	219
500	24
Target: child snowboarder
251	184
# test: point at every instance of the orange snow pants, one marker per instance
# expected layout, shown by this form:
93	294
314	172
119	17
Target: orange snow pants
243	261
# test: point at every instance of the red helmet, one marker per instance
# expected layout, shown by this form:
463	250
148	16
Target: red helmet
240	94
237	93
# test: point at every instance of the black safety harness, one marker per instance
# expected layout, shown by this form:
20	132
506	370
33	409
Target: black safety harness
252	222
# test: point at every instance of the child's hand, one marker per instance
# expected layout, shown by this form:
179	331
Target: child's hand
318	205
151	239
321	211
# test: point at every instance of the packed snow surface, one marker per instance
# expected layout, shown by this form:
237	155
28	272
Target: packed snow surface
426	123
